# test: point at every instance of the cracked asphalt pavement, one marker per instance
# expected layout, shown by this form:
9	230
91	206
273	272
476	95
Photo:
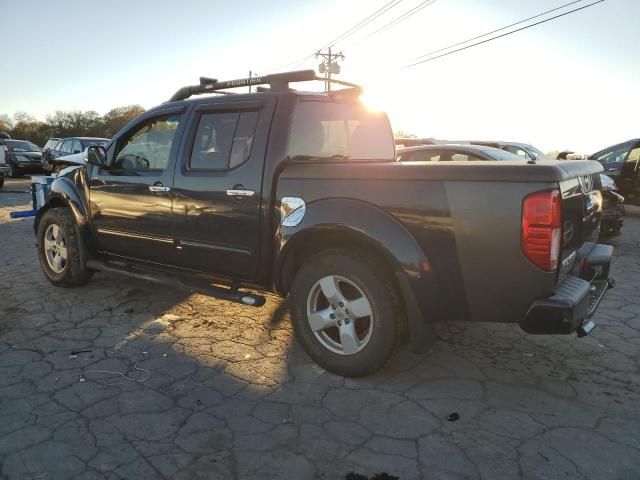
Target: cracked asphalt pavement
123	379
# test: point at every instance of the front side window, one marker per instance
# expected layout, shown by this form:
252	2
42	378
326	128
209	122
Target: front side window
149	146
615	154
223	140
634	155
327	129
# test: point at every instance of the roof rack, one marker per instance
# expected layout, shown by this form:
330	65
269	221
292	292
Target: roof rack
277	82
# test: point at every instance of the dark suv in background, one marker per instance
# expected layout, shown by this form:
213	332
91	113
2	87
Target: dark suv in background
22	156
622	162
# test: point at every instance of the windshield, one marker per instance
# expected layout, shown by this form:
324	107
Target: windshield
326	129
538	153
502	154
22	146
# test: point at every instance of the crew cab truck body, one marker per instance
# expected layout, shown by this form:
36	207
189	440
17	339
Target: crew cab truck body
299	193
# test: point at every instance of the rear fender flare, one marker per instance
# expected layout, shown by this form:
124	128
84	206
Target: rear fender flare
356	217
375	227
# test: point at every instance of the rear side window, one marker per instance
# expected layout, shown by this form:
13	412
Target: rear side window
327	129
223	140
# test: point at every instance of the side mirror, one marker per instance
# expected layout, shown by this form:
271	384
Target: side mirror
97	155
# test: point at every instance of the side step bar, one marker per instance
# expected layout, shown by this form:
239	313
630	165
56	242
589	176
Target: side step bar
228	294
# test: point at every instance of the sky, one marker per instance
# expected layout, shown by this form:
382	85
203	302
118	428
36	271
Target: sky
572	83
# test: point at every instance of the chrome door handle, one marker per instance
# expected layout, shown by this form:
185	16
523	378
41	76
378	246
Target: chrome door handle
159	188
240	193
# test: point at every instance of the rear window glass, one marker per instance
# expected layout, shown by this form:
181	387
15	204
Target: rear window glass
326	129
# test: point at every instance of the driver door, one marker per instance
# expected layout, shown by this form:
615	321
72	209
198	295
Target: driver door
131	202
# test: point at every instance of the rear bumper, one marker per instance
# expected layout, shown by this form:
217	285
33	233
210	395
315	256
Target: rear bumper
574	300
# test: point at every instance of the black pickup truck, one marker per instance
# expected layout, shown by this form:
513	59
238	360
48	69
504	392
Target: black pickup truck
299	193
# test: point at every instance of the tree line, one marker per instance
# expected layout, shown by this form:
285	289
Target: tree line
61	124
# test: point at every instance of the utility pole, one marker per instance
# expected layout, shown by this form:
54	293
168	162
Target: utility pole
251	76
329	66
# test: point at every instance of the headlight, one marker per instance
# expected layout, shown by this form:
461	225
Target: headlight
22	159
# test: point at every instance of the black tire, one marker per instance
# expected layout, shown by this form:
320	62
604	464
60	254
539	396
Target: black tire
383	300
74	272
1	181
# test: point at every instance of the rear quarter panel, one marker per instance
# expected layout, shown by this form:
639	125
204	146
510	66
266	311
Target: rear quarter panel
468	230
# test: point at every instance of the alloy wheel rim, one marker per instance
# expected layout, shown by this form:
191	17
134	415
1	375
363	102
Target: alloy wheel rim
55	248
340	315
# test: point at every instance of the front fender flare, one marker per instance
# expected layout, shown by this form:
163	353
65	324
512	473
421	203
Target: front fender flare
68	191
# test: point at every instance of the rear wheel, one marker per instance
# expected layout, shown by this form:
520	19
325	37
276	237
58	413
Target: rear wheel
345	313
59	249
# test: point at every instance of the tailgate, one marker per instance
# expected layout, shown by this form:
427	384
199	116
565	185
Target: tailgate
581	214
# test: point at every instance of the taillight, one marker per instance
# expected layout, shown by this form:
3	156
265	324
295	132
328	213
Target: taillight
542	228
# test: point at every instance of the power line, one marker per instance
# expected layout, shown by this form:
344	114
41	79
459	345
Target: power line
500	36
294	63
495	31
408	14
363	23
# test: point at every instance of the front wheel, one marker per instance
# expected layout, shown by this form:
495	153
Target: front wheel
345	313
59	248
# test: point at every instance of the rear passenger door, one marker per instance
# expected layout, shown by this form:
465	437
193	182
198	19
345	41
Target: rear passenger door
217	188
